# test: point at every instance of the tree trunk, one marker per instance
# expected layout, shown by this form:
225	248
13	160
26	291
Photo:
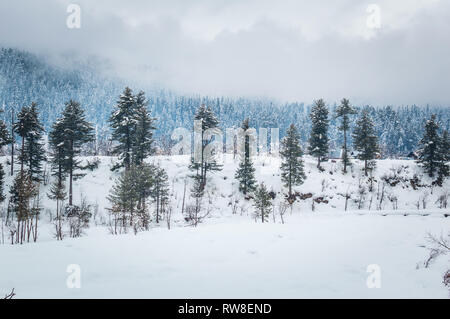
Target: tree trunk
184	197
290	180
365	167
157	209
12	143
71	173
345	151
23	151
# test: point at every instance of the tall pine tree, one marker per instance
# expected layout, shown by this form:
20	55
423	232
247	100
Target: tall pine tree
34	146
123	122
76	131
143	135
343	111
5	139
365	139
203	163
160	191
429	156
292	163
318	141
22	128
262	203
245	174
444	156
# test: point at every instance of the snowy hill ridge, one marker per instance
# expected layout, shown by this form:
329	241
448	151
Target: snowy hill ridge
398	187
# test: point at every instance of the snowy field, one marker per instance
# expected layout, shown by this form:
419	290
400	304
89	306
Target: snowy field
315	254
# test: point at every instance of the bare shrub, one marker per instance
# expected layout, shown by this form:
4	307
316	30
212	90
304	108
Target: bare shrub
282	208
78	218
443	200
10	295
168	215
438	246
195	215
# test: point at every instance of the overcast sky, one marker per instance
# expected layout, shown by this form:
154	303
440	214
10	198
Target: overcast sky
291	50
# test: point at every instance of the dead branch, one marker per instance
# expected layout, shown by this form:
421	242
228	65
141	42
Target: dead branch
10	295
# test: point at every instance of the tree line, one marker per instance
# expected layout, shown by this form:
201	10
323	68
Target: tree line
139	182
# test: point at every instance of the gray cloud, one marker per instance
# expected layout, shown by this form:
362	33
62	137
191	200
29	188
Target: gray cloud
292	50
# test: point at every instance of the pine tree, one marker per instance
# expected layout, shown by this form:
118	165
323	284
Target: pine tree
197	192
365	139
76	132
58	146
262	203
318	141
429	156
124	198
245	174
143	136
22	128
128	197
160	191
343	111
58	193
21	192
5	139
2	184
444	157
145	180
123	121
34	147
58	160
204	164
292	164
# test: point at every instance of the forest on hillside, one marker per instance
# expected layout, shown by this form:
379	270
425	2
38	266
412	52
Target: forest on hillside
27	78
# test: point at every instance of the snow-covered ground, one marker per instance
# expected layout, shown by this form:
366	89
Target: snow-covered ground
320	253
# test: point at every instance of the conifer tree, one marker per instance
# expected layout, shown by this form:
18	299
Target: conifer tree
318	141
444	156
57	145
123	123
343	111
124	198
12	142
22	128
365	139
128	197
429	156
58	160
5	139
292	164
160	191
22	190
2	184
34	147
76	131
58	193
143	136
245	174
197	193
262	203
145	180
204	164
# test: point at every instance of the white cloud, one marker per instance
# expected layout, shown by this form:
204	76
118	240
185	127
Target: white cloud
287	49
